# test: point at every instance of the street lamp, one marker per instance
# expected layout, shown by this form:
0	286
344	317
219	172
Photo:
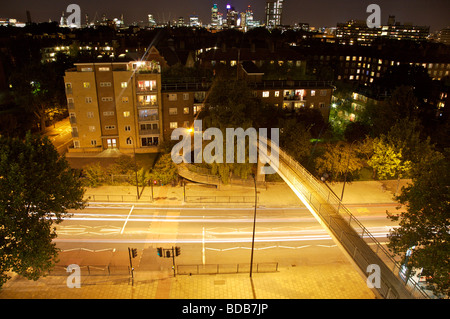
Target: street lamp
135	167
254	226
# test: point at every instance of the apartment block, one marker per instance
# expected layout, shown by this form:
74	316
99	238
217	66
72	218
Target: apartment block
115	105
182	103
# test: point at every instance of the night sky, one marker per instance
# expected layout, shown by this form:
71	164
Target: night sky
433	13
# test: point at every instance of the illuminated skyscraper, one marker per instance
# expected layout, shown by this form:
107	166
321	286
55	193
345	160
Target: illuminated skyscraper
214	17
232	17
274	11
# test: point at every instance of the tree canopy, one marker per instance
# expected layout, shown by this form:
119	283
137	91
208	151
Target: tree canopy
425	225
37	188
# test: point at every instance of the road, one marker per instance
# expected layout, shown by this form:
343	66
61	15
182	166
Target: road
289	236
60	135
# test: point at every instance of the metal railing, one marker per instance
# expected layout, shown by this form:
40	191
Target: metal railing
92	270
225	268
117	198
221	199
360	244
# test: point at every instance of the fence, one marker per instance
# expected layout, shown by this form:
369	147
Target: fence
209	269
92	270
222	199
117	198
352	235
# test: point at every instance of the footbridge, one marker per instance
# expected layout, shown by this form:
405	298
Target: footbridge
349	234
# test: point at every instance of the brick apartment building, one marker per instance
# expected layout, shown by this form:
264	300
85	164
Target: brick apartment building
115	105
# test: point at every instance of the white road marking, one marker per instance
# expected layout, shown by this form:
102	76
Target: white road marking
121	232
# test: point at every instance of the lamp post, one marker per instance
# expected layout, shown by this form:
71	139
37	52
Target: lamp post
254	226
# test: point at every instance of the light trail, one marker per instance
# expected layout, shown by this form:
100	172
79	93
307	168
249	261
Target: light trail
202	241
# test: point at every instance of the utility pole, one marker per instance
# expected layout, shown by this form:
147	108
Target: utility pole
254	226
173	261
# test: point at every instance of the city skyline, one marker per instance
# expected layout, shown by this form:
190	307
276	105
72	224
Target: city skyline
323	13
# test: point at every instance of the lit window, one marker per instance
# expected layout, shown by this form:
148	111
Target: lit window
173	124
277	93
185	110
124	99
86	85
126	114
103	69
146	85
123	85
313	93
173	111
265	94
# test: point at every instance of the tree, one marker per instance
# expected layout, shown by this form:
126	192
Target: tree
37	188
94	175
164	170
425	224
38	89
380	117
232	105
389	162
295	139
337	160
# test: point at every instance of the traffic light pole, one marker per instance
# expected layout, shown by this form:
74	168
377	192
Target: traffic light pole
173	258
131	265
165	253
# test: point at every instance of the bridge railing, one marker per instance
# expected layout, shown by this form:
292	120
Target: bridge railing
345	226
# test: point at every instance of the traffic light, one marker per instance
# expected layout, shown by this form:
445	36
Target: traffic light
134	252
159	251
177	251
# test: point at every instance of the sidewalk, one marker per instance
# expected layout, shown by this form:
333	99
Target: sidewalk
333	281
272	195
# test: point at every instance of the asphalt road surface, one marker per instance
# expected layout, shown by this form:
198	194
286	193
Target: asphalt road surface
288	236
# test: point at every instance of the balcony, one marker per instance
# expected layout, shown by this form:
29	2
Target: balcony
149	131
149	118
147	104
294	98
146	89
